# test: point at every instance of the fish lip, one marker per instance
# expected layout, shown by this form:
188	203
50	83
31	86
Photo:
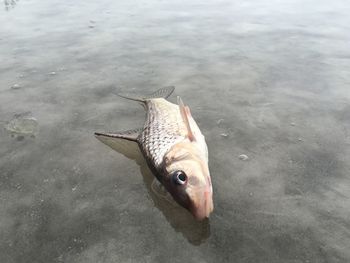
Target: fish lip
203	210
200	217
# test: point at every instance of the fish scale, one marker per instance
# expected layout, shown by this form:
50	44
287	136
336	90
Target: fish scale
161	131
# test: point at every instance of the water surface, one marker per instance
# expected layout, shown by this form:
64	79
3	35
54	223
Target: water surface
265	79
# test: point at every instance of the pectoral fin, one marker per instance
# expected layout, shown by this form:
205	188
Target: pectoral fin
186	115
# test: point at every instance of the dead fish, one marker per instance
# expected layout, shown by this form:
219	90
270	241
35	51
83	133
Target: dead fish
175	151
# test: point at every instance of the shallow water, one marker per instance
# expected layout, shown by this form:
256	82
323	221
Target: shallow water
269	80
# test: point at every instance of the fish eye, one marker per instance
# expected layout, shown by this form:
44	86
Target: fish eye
179	177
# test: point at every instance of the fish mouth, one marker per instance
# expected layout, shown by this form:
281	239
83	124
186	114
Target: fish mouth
202	206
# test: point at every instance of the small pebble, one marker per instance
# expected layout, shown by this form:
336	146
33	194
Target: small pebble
224	135
52	73
219	121
243	157
292	123
250	194
300	139
16	86
74	188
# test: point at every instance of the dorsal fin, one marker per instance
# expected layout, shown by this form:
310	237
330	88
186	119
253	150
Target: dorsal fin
185	113
130	135
161	93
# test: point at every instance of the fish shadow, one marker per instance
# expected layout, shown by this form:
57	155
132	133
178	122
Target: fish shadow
196	232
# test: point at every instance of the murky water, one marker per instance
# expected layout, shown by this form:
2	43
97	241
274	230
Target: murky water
268	83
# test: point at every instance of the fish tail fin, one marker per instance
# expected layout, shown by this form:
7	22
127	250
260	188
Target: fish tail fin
123	142
161	93
130	135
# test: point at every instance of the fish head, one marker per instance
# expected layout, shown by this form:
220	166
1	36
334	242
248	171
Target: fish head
188	180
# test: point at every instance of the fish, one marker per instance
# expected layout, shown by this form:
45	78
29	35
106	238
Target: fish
174	149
